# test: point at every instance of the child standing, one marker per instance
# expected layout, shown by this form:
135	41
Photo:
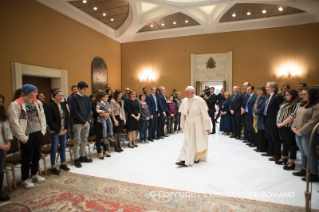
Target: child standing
103	107
172	109
145	117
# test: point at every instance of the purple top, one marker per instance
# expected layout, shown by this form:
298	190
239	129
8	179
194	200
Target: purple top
172	108
145	113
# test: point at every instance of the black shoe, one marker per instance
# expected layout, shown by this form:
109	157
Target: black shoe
3	196
255	149
237	138
287	167
274	158
102	158
196	161
212	133
281	162
252	145
64	167
131	146
161	137
105	155
164	136
85	160
301	173
181	163
232	136
312	178
151	140
266	154
216	121
135	146
249	143
55	171
77	163
157	138
258	150
246	141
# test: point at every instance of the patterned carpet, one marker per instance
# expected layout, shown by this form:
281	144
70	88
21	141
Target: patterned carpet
74	192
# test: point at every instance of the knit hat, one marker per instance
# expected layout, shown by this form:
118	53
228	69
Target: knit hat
28	88
55	91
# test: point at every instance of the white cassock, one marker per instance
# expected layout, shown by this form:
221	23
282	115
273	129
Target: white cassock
194	121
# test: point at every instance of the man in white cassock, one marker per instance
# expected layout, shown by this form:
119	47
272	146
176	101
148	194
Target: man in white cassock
196	124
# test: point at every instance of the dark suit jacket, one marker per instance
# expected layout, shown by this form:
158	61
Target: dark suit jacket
259	112
273	107
162	104
235	103
151	104
244	99
211	102
251	104
53	117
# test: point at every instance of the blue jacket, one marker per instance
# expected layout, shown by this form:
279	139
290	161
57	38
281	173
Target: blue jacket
226	106
162	104
251	104
259	112
151	104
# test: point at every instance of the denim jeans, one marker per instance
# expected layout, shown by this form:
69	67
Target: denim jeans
107	124
55	139
170	121
177	122
303	143
143	129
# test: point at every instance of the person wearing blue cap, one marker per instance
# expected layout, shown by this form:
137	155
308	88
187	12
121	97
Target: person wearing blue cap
28	124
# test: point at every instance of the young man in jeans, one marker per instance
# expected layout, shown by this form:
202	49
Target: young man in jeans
81	109
28	124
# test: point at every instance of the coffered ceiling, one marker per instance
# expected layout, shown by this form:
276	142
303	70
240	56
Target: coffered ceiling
136	20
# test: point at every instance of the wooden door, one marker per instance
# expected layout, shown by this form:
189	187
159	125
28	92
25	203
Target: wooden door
43	85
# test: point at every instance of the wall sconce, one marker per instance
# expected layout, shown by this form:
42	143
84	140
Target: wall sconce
147	76
289	71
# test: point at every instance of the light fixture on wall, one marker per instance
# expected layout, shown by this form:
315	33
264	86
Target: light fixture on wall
289	70
147	76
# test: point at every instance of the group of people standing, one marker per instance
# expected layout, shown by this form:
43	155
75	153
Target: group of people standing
270	118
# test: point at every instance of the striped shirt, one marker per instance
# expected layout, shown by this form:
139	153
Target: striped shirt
286	112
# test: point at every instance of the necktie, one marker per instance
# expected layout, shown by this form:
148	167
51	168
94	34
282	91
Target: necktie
266	106
246	108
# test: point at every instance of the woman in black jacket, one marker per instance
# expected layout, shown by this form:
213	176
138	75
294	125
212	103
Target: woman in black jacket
58	120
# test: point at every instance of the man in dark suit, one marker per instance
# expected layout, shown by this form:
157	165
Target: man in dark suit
211	101
244	99
220	99
234	106
248	110
152	102
272	106
162	109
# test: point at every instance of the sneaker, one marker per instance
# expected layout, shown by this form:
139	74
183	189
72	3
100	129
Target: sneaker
37	178
77	163
55	171
112	138
85	160
27	183
143	142
146	141
64	167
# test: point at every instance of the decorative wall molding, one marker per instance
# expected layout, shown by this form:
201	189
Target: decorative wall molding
222	72
59	77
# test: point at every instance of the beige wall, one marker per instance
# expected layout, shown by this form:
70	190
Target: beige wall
32	33
257	56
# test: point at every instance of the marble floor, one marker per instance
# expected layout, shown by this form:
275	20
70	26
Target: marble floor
231	167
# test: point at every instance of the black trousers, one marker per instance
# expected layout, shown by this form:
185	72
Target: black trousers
244	120
212	117
3	156
236	124
251	135
98	129
30	154
262	143
272	135
289	142
160	125
152	127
